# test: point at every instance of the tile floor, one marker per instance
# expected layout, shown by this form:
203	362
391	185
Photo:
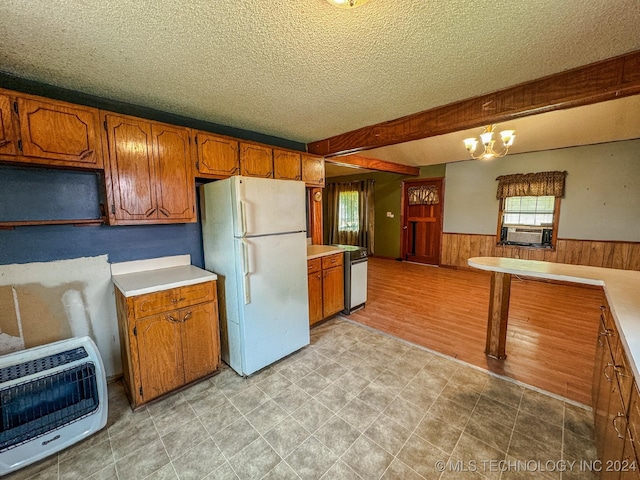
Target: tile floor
355	404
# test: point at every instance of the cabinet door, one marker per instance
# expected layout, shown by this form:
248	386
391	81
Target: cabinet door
62	133
332	291
217	157
313	170
132	170
315	297
256	160
200	346
8	139
160	354
286	165
174	179
615	434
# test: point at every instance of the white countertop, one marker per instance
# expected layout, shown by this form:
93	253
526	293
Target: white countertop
154	275
621	287
315	251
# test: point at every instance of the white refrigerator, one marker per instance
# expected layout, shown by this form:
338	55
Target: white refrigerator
254	239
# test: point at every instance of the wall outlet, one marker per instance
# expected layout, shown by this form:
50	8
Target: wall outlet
390	215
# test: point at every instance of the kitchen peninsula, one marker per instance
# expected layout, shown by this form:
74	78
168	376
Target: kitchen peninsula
615	396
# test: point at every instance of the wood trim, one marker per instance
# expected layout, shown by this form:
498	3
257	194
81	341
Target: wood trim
315	213
597	82
457	248
374	164
23	223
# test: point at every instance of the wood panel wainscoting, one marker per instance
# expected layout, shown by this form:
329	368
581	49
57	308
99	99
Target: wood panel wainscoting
457	248
552	328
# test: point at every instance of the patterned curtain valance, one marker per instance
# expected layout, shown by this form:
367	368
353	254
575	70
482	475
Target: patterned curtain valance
424	195
531	184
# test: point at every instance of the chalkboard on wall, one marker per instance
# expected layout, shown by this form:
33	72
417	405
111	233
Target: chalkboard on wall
48	195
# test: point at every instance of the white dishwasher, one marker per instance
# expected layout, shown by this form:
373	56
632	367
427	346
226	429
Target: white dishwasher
355	278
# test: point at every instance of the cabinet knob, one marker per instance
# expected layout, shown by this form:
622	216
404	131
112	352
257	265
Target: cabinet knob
187	316
172	319
176	300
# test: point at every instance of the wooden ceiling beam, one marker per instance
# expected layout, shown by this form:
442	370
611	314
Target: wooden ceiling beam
374	164
597	82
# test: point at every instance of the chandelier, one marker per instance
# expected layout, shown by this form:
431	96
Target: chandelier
487	140
347	3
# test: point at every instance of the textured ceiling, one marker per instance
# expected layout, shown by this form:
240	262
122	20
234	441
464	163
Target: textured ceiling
304	70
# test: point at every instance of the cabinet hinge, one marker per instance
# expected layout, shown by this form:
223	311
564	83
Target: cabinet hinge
20	145
15	107
195	139
106	129
135	331
141	391
113	208
197	165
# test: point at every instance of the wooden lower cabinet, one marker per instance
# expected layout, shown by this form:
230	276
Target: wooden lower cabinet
615	404
325	276
171	343
314	282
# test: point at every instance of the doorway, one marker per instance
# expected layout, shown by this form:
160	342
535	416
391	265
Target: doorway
422	220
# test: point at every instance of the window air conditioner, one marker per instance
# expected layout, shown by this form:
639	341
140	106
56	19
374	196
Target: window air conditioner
524	235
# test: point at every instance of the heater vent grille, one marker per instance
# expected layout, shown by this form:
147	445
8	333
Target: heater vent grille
38	365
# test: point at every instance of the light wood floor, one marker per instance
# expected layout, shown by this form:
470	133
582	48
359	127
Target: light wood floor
552	327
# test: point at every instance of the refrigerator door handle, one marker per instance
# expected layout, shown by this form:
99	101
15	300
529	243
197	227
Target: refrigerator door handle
242	217
245	271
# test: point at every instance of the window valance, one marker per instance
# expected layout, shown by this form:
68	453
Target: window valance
531	184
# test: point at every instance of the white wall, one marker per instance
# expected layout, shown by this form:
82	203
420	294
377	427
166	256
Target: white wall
58	300
602	196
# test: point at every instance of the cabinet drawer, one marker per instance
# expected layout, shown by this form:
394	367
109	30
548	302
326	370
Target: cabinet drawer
158	302
332	260
314	265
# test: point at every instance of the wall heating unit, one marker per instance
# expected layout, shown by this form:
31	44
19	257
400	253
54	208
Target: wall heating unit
51	397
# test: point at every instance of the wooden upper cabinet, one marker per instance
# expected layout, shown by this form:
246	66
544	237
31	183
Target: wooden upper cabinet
8	138
313	170
286	165
60	133
150	177
256	160
175	185
216	157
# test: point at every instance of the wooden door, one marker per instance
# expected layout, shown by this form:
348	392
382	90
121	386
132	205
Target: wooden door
286	165
200	346
132	170
217	157
8	139
256	160
313	170
160	354
422	220
332	291
174	179
62	133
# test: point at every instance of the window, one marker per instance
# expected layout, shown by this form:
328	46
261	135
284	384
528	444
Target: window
528	221
528	211
348	219
529	208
